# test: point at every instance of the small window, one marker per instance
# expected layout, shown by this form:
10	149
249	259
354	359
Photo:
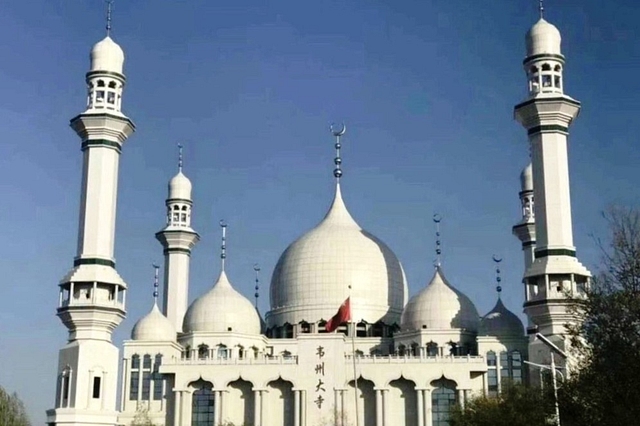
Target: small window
533	70
557	68
111	97
100	83
100	96
147	361
546	81
546	67
112	84
556	81
96	387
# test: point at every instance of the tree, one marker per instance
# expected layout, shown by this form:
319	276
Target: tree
12	411
606	338
516	405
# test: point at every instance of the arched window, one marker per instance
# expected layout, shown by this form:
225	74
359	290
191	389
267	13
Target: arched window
64	384
361	329
432	349
223	352
134	382
377	330
158	380
322	326
546	67
203	351
443	397
402	350
287	331
415	349
187	352
492	374
202	405
305	327
146	378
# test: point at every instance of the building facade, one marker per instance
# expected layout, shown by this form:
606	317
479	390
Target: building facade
400	361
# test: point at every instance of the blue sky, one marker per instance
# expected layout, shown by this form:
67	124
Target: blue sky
427	89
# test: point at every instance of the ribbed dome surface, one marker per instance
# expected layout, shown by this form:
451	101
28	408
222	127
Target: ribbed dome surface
501	322
154	327
313	275
222	309
180	187
439	306
106	55
543	37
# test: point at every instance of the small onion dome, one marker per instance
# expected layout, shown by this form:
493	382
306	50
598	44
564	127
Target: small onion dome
312	276
526	178
106	55
501	322
222	309
180	187
154	327
439	306
543	38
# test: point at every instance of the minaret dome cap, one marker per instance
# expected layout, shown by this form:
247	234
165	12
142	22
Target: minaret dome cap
154	327
543	38
107	55
501	322
526	178
180	187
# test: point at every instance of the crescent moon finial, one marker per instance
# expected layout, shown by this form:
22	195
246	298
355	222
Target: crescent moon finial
497	258
437	218
338	132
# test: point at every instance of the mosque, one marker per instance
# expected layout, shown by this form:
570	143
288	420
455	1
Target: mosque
391	359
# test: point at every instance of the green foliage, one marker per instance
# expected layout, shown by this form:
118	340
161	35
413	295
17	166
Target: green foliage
516	405
604	390
12	411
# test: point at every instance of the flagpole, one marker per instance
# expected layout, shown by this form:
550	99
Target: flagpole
353	357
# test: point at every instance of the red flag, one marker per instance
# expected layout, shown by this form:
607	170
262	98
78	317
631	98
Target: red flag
343	315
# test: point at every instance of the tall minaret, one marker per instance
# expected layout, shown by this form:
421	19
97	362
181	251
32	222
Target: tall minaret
547	113
92	294
177	239
525	230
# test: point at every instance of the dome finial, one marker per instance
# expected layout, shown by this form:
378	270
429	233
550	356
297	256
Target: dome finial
338	133
223	247
497	259
541	8
155	283
109	6
437	219
180	157
256	269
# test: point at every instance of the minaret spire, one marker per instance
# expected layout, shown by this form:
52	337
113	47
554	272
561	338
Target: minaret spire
109	6
338	132
437	219
223	247
180	157
541	8
256	269
497	260
155	283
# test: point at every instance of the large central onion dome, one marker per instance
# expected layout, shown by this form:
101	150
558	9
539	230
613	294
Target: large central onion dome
313	275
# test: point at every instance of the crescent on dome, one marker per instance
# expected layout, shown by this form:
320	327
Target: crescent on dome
338	131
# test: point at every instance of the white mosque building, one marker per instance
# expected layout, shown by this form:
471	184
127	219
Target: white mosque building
403	360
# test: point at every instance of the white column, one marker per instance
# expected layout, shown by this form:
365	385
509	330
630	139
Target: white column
296	408
187	397
385	407
461	399
257	408
261	407
216	406
337	407
177	405
223	406
303	407
379	419
125	384
420	399
428	415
